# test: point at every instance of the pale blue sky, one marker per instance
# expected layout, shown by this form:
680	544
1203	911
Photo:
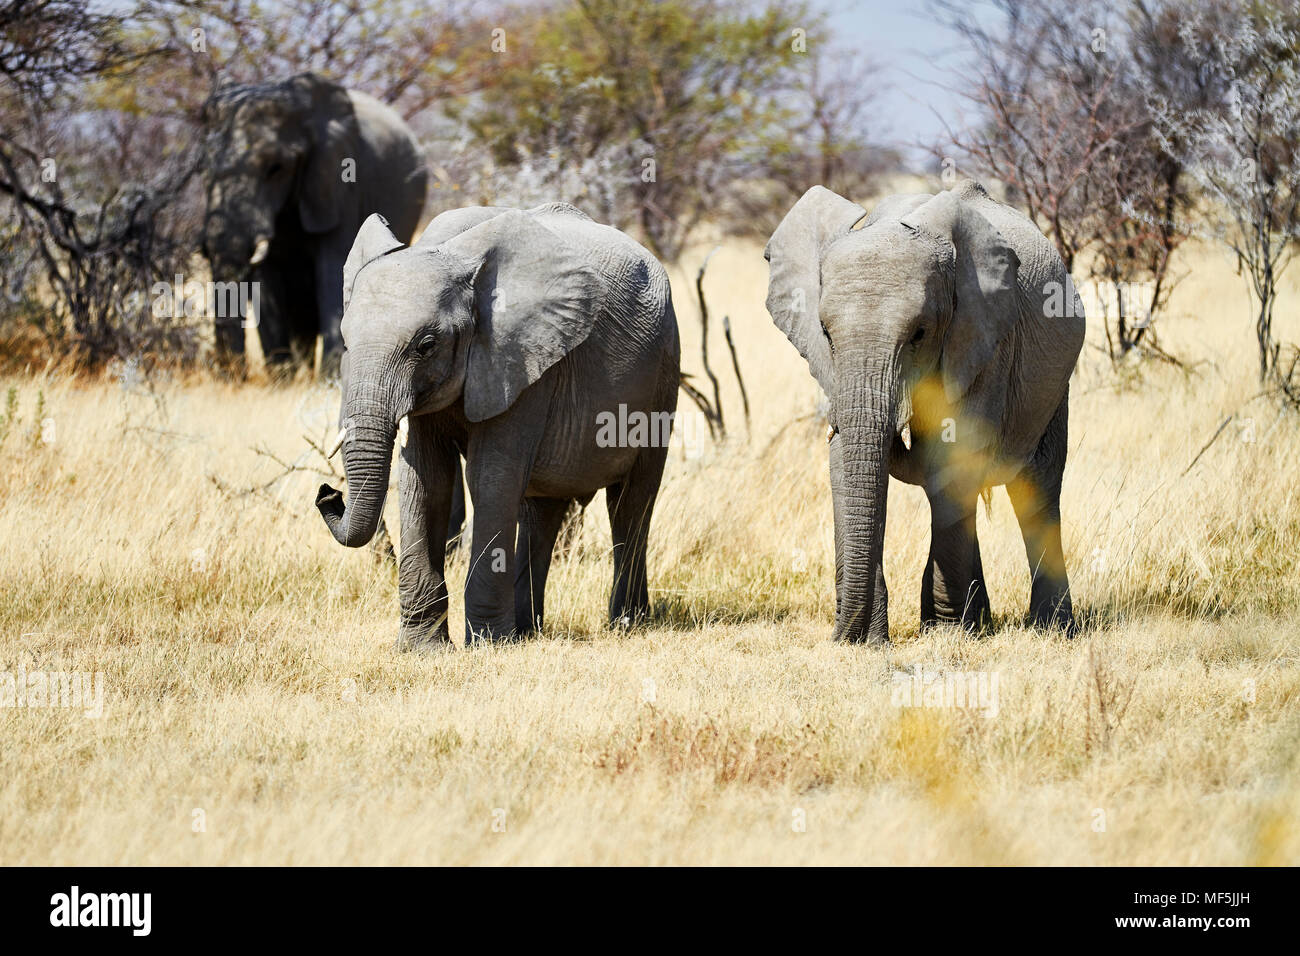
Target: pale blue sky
916	55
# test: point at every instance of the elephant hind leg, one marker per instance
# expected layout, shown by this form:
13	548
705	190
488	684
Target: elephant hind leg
631	504
1036	497
540	520
952	588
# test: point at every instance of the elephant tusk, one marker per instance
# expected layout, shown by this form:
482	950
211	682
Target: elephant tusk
830	433
337	443
906	435
401	431
259	251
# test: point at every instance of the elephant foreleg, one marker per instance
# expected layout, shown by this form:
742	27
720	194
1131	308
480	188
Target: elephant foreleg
329	301
426	468
456	524
498	463
270	321
228	332
880	606
952	587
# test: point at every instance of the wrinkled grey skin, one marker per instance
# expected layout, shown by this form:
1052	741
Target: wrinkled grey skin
937	315
275	171
501	334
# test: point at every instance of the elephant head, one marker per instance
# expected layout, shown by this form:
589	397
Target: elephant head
476	319
274	157
896	319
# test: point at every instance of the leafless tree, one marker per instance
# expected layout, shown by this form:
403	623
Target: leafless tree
1062	124
1243	148
95	247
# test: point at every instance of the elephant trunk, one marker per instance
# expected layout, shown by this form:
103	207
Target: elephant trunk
865	410
233	258
238	229
371	428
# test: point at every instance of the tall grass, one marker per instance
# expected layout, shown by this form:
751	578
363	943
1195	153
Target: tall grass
256	712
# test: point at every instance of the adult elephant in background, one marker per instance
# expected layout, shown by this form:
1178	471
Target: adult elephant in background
516	338
944	332
293	170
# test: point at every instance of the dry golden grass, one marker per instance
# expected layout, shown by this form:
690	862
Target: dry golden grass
250	674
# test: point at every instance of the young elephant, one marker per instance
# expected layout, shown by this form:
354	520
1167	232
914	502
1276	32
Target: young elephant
506	336
944	332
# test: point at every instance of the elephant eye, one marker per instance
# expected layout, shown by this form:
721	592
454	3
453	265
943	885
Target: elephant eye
274	169
920	334
826	332
426	344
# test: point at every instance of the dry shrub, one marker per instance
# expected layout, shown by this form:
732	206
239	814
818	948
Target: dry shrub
725	754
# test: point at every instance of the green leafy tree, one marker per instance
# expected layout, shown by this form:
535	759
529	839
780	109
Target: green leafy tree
694	91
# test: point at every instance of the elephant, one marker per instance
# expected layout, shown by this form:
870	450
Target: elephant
510	337
292	170
943	333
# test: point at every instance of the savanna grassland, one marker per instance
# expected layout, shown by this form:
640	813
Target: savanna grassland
256	712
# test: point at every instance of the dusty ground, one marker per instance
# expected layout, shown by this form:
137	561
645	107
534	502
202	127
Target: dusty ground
255	712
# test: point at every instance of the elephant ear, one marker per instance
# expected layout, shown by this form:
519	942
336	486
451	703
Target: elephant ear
986	297
536	298
447	225
794	286
374	239
332	128
895	207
